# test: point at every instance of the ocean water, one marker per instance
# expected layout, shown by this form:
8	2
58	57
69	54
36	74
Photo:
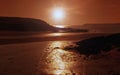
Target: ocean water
48	57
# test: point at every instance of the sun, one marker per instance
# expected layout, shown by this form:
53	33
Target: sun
58	13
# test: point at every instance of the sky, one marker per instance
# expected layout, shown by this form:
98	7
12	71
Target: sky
77	12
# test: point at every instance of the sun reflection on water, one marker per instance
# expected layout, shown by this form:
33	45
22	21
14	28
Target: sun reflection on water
58	62
56	44
57	57
57	34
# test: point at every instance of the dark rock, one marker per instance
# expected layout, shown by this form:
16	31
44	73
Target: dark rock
96	45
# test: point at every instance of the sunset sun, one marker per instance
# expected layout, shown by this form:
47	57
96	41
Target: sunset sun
58	14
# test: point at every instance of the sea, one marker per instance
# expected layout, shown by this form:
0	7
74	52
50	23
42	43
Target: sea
45	54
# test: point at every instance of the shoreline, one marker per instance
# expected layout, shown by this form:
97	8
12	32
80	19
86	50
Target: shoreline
47	37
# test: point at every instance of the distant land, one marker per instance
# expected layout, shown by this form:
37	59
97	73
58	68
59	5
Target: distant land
13	24
101	27
18	24
24	24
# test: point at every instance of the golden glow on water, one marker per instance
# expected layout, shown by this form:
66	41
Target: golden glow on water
58	72
57	57
60	26
56	44
58	62
57	34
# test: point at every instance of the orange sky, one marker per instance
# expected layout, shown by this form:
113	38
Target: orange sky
77	11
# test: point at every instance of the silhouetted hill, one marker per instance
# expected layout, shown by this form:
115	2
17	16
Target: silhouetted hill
23	24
